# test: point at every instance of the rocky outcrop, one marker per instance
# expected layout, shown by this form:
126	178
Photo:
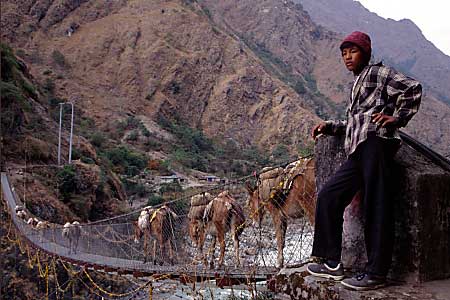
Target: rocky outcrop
422	213
296	284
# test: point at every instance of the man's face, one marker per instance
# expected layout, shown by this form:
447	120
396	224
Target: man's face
353	59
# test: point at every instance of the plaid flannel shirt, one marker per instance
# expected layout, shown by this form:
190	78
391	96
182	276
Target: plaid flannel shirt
379	89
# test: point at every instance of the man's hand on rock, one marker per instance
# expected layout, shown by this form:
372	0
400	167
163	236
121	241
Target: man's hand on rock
319	129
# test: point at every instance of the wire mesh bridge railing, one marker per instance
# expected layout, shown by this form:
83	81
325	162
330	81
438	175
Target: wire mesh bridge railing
110	244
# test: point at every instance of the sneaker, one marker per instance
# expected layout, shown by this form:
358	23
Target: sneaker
325	271
364	281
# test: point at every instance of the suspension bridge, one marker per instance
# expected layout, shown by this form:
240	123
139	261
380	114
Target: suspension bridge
108	245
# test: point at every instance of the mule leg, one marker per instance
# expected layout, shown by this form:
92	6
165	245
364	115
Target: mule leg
75	247
280	232
221	237
70	245
211	251
154	252
236	247
145	249
162	251
201	244
169	241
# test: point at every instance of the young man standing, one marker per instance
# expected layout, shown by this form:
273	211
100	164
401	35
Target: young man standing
381	101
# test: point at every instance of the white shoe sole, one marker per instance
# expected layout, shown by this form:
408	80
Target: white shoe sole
363	288
327	276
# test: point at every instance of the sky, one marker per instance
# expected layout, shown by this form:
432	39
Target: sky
431	16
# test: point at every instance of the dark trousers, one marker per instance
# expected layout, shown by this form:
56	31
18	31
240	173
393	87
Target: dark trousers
369	170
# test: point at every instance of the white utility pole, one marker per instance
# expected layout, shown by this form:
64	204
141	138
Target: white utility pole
71	133
59	138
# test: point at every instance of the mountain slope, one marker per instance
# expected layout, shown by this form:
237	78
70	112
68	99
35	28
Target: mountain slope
166	57
256	72
290	35
399	43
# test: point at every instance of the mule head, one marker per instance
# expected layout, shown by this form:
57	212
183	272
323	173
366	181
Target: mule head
255	204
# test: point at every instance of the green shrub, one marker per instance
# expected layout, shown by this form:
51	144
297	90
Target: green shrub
253	154
155	199
11	92
98	139
207	12
299	87
152	144
133	136
53	102
145	131
79	204
9	65
59	59
280	153
305	149
49	86
29	88
171	187
126	160
132	122
87	160
76	154
133	188
311	82
67	182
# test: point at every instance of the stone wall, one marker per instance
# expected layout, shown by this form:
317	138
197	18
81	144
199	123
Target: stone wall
422	210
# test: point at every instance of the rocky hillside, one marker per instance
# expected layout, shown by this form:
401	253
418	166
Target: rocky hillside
159	57
400	43
85	190
256	73
288	34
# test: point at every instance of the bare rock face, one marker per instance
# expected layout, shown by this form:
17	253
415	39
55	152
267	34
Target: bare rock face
422	214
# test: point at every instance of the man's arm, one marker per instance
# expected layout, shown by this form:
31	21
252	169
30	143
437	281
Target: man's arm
337	127
407	95
329	128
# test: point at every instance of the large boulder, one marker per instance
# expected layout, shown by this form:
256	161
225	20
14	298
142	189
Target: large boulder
422	211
